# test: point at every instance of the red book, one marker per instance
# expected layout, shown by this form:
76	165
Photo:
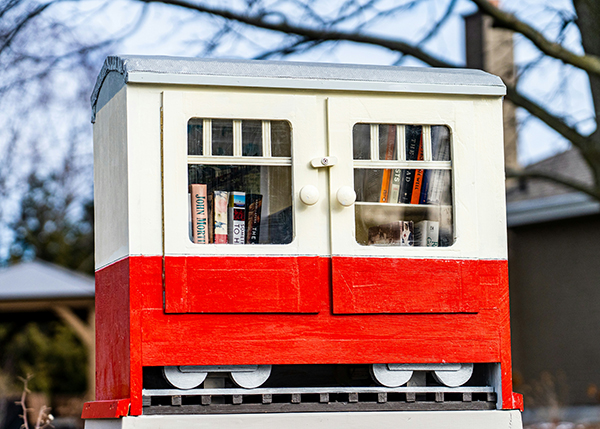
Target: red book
416	192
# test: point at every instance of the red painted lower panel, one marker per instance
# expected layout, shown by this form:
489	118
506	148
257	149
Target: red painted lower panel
401	285
156	338
243	284
105	409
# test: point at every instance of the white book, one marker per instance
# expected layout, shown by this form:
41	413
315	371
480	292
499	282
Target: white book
427	233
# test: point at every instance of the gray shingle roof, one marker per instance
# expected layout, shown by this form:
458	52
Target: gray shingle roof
41	280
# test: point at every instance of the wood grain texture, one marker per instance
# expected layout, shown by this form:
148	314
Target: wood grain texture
243	284
402	285
110	409
112	331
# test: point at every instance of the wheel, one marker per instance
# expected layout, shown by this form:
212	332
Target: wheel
252	379
388	378
183	380
455	378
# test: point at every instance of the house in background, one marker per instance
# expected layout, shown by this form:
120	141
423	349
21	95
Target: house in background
42	292
554	274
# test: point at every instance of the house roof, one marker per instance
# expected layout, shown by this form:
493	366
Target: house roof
118	71
39	280
537	200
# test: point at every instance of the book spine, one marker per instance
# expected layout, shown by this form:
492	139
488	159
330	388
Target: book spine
253	212
237	218
425	186
384	197
416	191
433	233
408	176
220	216
395	186
427	233
199	213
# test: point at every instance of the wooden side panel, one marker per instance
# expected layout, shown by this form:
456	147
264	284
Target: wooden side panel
111	409
402	285
243	284
112	331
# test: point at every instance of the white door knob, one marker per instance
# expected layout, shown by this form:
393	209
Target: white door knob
309	195
346	196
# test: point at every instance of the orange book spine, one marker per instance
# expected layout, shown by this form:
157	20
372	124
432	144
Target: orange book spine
416	192
384	197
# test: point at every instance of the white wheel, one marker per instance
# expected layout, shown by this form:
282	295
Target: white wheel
252	379
388	378
183	380
455	378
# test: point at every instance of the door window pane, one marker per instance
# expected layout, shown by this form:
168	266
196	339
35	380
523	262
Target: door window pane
252	138
281	141
195	136
404	206
222	137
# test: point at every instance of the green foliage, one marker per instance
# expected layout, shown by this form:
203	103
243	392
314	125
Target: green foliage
54	226
51	352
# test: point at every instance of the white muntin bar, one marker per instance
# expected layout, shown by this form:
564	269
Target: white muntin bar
266	139
426	142
207	137
374	142
237	138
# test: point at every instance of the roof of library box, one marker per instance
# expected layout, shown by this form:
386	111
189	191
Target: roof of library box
117	71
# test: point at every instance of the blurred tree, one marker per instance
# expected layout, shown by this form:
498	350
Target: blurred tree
53	226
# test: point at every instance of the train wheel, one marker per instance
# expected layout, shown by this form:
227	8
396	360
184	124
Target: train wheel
183	380
388	378
455	378
252	379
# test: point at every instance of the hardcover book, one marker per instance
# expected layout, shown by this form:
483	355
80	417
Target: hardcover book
427	233
220	216
413	141
253	215
199	207
237	218
387	173
400	233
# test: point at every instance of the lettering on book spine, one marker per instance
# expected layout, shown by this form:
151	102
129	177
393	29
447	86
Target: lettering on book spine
199	213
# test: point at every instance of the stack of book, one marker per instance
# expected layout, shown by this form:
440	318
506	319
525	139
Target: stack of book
425	233
224	217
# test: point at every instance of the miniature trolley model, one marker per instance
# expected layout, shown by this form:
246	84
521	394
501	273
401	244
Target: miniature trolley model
278	235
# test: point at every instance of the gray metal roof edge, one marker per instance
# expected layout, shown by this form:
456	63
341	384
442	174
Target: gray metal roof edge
288	74
556	207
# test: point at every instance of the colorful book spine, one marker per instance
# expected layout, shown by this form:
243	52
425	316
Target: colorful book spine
253	214
199	209
220	216
237	218
413	137
387	174
400	233
418	182
395	186
427	233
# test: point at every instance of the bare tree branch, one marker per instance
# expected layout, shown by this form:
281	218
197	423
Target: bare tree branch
589	63
593	192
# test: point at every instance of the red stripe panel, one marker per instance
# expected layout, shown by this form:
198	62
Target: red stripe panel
244	284
401	285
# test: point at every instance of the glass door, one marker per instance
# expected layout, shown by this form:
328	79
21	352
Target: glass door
396	237
233	229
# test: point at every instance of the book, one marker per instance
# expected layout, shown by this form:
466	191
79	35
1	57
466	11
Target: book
416	191
413	138
384	196
437	184
400	233
253	215
237	218
446	229
395	185
199	209
427	233
220	216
